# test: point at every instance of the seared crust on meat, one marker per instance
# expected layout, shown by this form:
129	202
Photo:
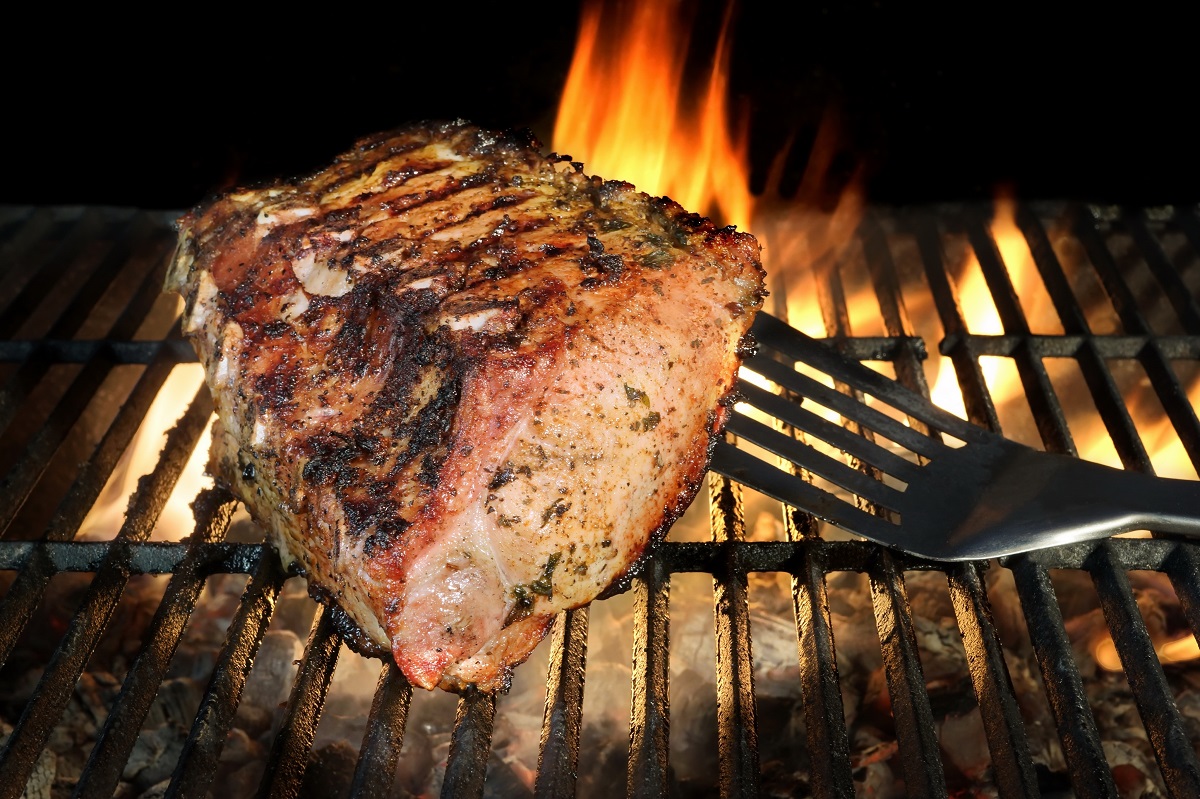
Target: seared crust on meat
462	384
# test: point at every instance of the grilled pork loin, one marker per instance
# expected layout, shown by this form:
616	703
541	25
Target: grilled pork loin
461	384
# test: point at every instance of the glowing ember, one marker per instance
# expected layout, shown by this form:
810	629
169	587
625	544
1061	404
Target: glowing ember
1176	650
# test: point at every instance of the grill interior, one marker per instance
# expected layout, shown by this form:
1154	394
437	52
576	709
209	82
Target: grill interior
89	341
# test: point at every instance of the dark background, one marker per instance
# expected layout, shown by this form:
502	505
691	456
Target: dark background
934	102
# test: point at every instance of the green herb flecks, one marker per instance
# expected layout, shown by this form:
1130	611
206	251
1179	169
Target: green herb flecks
646	423
544	586
635	396
657	259
556	510
524	595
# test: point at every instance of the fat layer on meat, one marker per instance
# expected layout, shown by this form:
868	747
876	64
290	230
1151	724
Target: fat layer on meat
461	384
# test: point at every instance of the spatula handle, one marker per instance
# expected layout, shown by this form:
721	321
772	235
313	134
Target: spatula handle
1161	504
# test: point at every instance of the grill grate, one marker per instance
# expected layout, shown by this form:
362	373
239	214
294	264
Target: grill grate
99	270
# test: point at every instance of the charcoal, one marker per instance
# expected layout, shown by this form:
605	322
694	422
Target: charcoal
329	772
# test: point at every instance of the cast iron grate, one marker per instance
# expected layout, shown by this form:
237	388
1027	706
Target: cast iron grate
75	259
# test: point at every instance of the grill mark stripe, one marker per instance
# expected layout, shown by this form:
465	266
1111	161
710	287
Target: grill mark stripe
403	203
441	195
368	164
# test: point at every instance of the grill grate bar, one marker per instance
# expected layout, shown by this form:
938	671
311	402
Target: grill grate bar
1129	631
1067	308
20	482
920	757
907	359
1012	765
83	350
1153	358
562	723
737	724
1076	725
677	557
90	483
958	343
1091	357
1077	730
284	774
1047	411
198	761
380	750
1185	220
140	234
1182	567
1168	738
154	557
1124	303
1176	291
1073	345
33	729
24	227
1003	726
46	274
102	773
649	717
1153	697
470	746
38	363
824	715
823	712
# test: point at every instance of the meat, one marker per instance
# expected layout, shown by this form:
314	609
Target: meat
461	384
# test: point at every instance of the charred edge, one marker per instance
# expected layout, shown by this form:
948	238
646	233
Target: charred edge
747	346
352	635
601	270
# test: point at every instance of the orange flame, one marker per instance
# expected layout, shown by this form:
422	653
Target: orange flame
107	515
622	111
979	310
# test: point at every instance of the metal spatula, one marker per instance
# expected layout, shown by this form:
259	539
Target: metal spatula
981	496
